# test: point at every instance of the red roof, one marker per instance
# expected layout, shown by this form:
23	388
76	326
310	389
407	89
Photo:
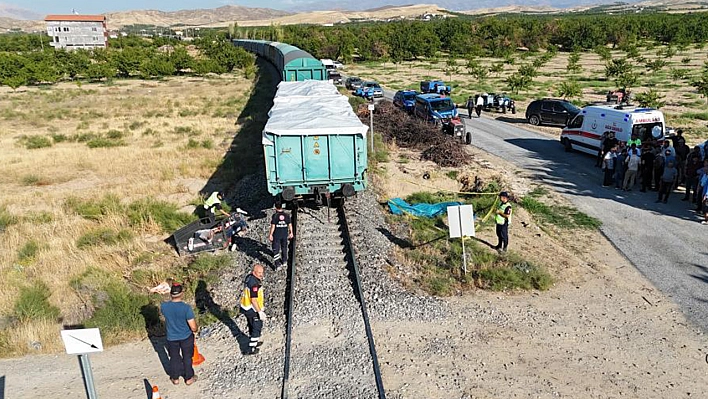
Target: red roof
81	18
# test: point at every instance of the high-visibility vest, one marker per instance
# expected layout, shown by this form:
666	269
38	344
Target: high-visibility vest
638	142
246	295
501	219
211	201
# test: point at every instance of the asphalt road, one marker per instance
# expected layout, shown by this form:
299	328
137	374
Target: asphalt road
665	242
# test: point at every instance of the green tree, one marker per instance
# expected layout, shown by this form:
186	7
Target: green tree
156	67
573	62
528	70
569	89
496	68
603	52
701	85
650	98
617	67
517	82
656	65
181	59
627	80
100	70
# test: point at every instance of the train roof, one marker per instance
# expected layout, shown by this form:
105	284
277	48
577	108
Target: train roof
305	88
303	111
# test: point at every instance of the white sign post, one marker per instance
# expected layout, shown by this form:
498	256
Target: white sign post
371	123
460	218
81	343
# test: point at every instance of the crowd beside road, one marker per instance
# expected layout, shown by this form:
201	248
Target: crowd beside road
657	166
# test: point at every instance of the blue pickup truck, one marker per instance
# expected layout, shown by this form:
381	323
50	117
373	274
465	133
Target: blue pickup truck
405	100
369	90
440	110
435	86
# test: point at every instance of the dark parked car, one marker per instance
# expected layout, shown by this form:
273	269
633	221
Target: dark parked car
335	77
353	83
551	111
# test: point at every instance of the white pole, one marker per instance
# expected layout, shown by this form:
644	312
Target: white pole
464	256
371	126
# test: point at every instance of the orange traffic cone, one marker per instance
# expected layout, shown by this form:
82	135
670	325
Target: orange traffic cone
197	358
156	393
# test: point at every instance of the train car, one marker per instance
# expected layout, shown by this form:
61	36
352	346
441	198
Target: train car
292	63
314	144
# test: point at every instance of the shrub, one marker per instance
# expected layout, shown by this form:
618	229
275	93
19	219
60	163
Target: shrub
650	98
118	309
35	142
28	252
115	134
34	180
520	274
163	213
40	217
208	144
94	209
6	219
33	304
425	197
103	236
356	102
59	138
560	216
104	143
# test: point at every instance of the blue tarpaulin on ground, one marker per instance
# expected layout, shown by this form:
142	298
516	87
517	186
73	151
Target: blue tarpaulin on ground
398	207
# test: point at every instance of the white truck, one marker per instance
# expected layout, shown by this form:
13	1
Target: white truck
583	132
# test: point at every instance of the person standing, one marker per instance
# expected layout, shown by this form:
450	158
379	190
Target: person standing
212	204
480	104
702	185
620	168
252	306
692	166
668	180
634	140
503	219
180	326
281	230
601	151
470	106
647	166
630	176
608	167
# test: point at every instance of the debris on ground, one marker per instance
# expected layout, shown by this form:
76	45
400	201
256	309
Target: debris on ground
395	126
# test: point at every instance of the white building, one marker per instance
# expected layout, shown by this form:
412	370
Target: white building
77	31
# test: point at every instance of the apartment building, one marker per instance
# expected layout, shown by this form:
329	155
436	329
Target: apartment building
73	32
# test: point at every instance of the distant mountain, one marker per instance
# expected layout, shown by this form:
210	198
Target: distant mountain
15	12
453	5
225	14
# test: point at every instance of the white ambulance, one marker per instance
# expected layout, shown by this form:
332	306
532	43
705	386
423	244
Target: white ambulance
583	133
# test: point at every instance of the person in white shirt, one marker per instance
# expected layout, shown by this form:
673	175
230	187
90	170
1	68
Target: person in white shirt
630	176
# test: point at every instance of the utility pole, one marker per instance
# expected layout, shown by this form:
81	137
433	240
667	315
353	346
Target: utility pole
371	124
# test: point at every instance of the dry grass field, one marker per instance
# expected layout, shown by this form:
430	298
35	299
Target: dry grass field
93	179
684	107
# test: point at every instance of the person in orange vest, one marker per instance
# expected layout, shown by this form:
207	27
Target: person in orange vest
252	306
181	326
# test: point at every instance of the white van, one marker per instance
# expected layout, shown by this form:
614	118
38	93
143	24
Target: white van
583	133
328	64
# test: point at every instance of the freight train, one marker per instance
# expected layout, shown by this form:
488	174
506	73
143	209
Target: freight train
314	144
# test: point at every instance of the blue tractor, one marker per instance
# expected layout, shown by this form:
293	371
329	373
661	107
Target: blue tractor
405	100
441	111
369	90
435	86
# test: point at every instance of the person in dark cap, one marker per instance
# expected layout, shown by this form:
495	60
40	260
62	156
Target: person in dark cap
180	326
213	204
503	220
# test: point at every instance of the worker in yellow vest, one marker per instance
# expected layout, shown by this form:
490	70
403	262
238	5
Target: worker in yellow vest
503	220
252	307
212	204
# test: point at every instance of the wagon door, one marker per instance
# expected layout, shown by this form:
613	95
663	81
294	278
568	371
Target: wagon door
289	160
343	159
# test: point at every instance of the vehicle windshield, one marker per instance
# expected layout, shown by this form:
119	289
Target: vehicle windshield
371	84
409	96
442	105
354	80
571	108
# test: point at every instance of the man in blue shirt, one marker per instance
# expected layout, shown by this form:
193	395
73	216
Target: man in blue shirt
181	326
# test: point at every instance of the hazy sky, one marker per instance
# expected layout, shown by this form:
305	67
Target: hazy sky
94	7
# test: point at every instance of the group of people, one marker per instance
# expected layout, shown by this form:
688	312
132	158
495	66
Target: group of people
658	167
180	322
475	106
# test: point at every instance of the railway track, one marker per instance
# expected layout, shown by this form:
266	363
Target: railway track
329	350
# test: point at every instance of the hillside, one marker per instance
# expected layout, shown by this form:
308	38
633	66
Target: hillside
222	15
619	7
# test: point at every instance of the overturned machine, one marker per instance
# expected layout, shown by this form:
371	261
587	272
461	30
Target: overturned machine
207	235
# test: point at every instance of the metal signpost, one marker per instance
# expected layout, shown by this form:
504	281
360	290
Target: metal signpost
460	218
81	343
371	123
